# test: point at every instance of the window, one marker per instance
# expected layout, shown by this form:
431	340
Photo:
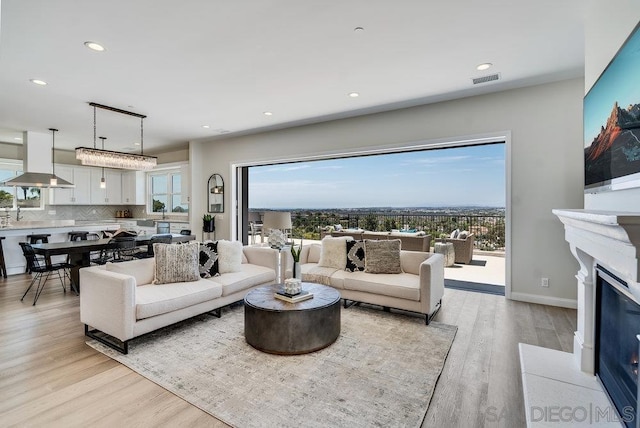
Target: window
166	192
13	197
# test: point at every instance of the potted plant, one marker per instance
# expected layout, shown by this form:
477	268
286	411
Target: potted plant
208	223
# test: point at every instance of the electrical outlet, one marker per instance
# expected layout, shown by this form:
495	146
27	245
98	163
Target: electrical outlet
544	282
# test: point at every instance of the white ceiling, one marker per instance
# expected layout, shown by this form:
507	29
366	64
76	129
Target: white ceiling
223	63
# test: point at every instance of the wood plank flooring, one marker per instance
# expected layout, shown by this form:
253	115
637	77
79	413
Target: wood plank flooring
50	378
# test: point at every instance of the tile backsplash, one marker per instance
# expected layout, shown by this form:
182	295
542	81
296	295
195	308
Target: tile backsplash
88	212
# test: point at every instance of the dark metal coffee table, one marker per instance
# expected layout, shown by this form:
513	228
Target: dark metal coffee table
279	327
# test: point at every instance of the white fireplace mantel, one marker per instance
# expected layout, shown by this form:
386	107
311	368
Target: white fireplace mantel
611	240
554	379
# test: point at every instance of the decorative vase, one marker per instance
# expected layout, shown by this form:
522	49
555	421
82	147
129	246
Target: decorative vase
276	239
297	272
292	286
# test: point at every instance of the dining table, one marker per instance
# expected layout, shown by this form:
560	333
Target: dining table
79	252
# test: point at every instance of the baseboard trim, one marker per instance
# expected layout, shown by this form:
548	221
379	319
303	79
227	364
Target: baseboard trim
544	300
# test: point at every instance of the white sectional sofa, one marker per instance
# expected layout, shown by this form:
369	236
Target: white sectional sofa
419	288
120	300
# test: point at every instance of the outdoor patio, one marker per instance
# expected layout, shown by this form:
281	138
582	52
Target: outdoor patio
487	267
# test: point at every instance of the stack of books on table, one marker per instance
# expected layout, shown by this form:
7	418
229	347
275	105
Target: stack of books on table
293	298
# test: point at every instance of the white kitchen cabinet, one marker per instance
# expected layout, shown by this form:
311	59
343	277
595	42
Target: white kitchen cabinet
112	195
176	227
133	187
80	195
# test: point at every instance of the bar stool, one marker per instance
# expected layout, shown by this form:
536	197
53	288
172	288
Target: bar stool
42	238
79	235
37	238
3	266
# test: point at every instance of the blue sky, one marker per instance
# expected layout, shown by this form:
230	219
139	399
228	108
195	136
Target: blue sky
464	176
619	83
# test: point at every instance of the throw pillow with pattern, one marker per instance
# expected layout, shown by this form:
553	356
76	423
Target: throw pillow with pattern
176	263
208	259
382	256
355	256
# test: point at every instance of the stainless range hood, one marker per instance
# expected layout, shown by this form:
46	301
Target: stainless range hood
38	156
38	179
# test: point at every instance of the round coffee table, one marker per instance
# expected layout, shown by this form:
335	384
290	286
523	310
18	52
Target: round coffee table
279	327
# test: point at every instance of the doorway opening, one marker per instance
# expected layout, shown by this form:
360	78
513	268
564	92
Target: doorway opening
453	194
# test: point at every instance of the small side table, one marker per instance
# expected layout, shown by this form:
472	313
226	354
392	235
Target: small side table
447	250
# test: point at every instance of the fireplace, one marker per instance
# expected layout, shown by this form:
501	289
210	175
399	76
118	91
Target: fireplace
616	344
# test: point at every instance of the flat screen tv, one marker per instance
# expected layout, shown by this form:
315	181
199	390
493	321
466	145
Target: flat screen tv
612	123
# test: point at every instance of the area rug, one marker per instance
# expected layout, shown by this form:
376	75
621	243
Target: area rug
381	371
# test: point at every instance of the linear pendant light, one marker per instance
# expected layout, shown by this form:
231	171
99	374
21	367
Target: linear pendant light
114	159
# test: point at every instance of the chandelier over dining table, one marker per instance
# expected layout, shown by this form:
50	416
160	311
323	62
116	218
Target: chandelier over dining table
114	159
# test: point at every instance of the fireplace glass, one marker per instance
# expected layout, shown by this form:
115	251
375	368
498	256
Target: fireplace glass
617	325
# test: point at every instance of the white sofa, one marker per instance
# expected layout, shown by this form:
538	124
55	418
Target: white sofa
419	288
119	299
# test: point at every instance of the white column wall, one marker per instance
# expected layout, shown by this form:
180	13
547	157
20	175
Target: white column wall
545	123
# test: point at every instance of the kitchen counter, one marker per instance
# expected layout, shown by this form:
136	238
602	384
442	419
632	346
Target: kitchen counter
53	224
57	229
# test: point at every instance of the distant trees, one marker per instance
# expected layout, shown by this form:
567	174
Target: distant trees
488	226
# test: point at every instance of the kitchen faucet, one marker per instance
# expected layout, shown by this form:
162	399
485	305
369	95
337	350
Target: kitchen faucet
18	216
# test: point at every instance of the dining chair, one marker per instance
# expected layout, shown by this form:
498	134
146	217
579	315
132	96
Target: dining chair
41	271
120	249
155	239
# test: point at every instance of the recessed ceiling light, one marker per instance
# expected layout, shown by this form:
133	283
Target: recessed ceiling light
136	144
94	46
354	94
206	126
268	113
484	66
358	29
38	82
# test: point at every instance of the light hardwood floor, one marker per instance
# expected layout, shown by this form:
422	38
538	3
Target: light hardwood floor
49	377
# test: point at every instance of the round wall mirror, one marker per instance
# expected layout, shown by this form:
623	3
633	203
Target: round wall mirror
215	194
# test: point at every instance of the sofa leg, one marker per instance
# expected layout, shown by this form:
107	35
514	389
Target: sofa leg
122	347
428	317
216	312
386	308
348	304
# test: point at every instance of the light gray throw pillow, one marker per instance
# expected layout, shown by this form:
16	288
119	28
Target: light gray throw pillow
176	263
382	256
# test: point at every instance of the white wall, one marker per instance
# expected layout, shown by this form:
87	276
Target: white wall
607	26
546	147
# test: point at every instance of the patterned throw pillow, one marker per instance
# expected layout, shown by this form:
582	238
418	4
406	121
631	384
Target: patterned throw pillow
355	256
382	256
176	263
208	259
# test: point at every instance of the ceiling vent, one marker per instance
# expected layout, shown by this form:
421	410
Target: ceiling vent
485	79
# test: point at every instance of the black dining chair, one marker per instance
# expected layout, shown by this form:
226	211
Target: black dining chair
155	239
120	249
41	271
